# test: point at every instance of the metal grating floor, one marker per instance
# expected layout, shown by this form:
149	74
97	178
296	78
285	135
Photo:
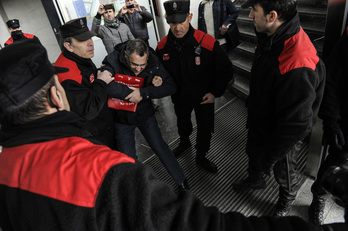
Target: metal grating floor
227	152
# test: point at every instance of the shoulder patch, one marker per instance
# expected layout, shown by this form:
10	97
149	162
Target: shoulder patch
30	36
298	52
208	40
69	169
9	41
161	44
74	72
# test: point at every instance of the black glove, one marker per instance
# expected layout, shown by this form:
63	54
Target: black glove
334	135
335	227
267	165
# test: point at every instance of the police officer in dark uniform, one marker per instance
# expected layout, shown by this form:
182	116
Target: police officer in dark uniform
85	86
201	71
16	32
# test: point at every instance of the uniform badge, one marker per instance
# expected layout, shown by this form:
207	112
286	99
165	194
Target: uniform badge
165	57
198	60
175	6
82	24
91	78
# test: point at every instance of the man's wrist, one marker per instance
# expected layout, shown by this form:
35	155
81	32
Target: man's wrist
98	16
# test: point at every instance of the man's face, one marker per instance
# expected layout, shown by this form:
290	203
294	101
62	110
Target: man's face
109	14
62	94
179	30
136	62
84	49
14	29
259	18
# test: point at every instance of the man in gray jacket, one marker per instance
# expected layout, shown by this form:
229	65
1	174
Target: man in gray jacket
113	31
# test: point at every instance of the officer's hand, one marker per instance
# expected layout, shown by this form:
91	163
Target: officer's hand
106	76
333	134
208	98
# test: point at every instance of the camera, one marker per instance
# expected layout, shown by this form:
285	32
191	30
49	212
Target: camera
130	6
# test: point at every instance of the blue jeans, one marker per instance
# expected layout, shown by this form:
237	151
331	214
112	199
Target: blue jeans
125	137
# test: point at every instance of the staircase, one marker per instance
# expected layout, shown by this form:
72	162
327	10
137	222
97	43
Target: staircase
313	20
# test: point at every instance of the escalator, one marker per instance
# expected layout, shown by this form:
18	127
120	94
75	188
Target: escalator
313	20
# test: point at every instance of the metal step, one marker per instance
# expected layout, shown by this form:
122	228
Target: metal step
227	152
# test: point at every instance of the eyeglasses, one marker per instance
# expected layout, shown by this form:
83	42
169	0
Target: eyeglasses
137	65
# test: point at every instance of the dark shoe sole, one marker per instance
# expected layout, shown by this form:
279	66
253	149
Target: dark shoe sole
206	168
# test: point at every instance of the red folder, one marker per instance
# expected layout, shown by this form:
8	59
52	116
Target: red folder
130	81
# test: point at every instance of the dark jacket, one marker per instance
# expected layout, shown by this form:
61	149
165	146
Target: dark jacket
51	178
286	88
334	108
18	35
229	15
116	64
195	75
137	22
87	95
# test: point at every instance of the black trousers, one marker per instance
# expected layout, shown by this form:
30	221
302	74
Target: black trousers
285	170
205	124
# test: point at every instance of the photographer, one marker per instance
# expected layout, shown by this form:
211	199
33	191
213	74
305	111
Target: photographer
334	113
113	31
136	17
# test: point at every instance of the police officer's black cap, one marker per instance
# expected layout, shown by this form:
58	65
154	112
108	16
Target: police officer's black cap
13	23
76	28
24	70
176	11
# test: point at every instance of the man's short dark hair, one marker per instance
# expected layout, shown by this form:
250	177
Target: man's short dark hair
109	6
64	40
138	46
286	9
31	109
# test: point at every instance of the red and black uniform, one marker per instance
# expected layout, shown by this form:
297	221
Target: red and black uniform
87	96
18	35
286	88
52	178
195	75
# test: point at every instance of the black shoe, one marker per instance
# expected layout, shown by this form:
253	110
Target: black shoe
316	210
184	185
250	183
206	164
283	208
183	145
